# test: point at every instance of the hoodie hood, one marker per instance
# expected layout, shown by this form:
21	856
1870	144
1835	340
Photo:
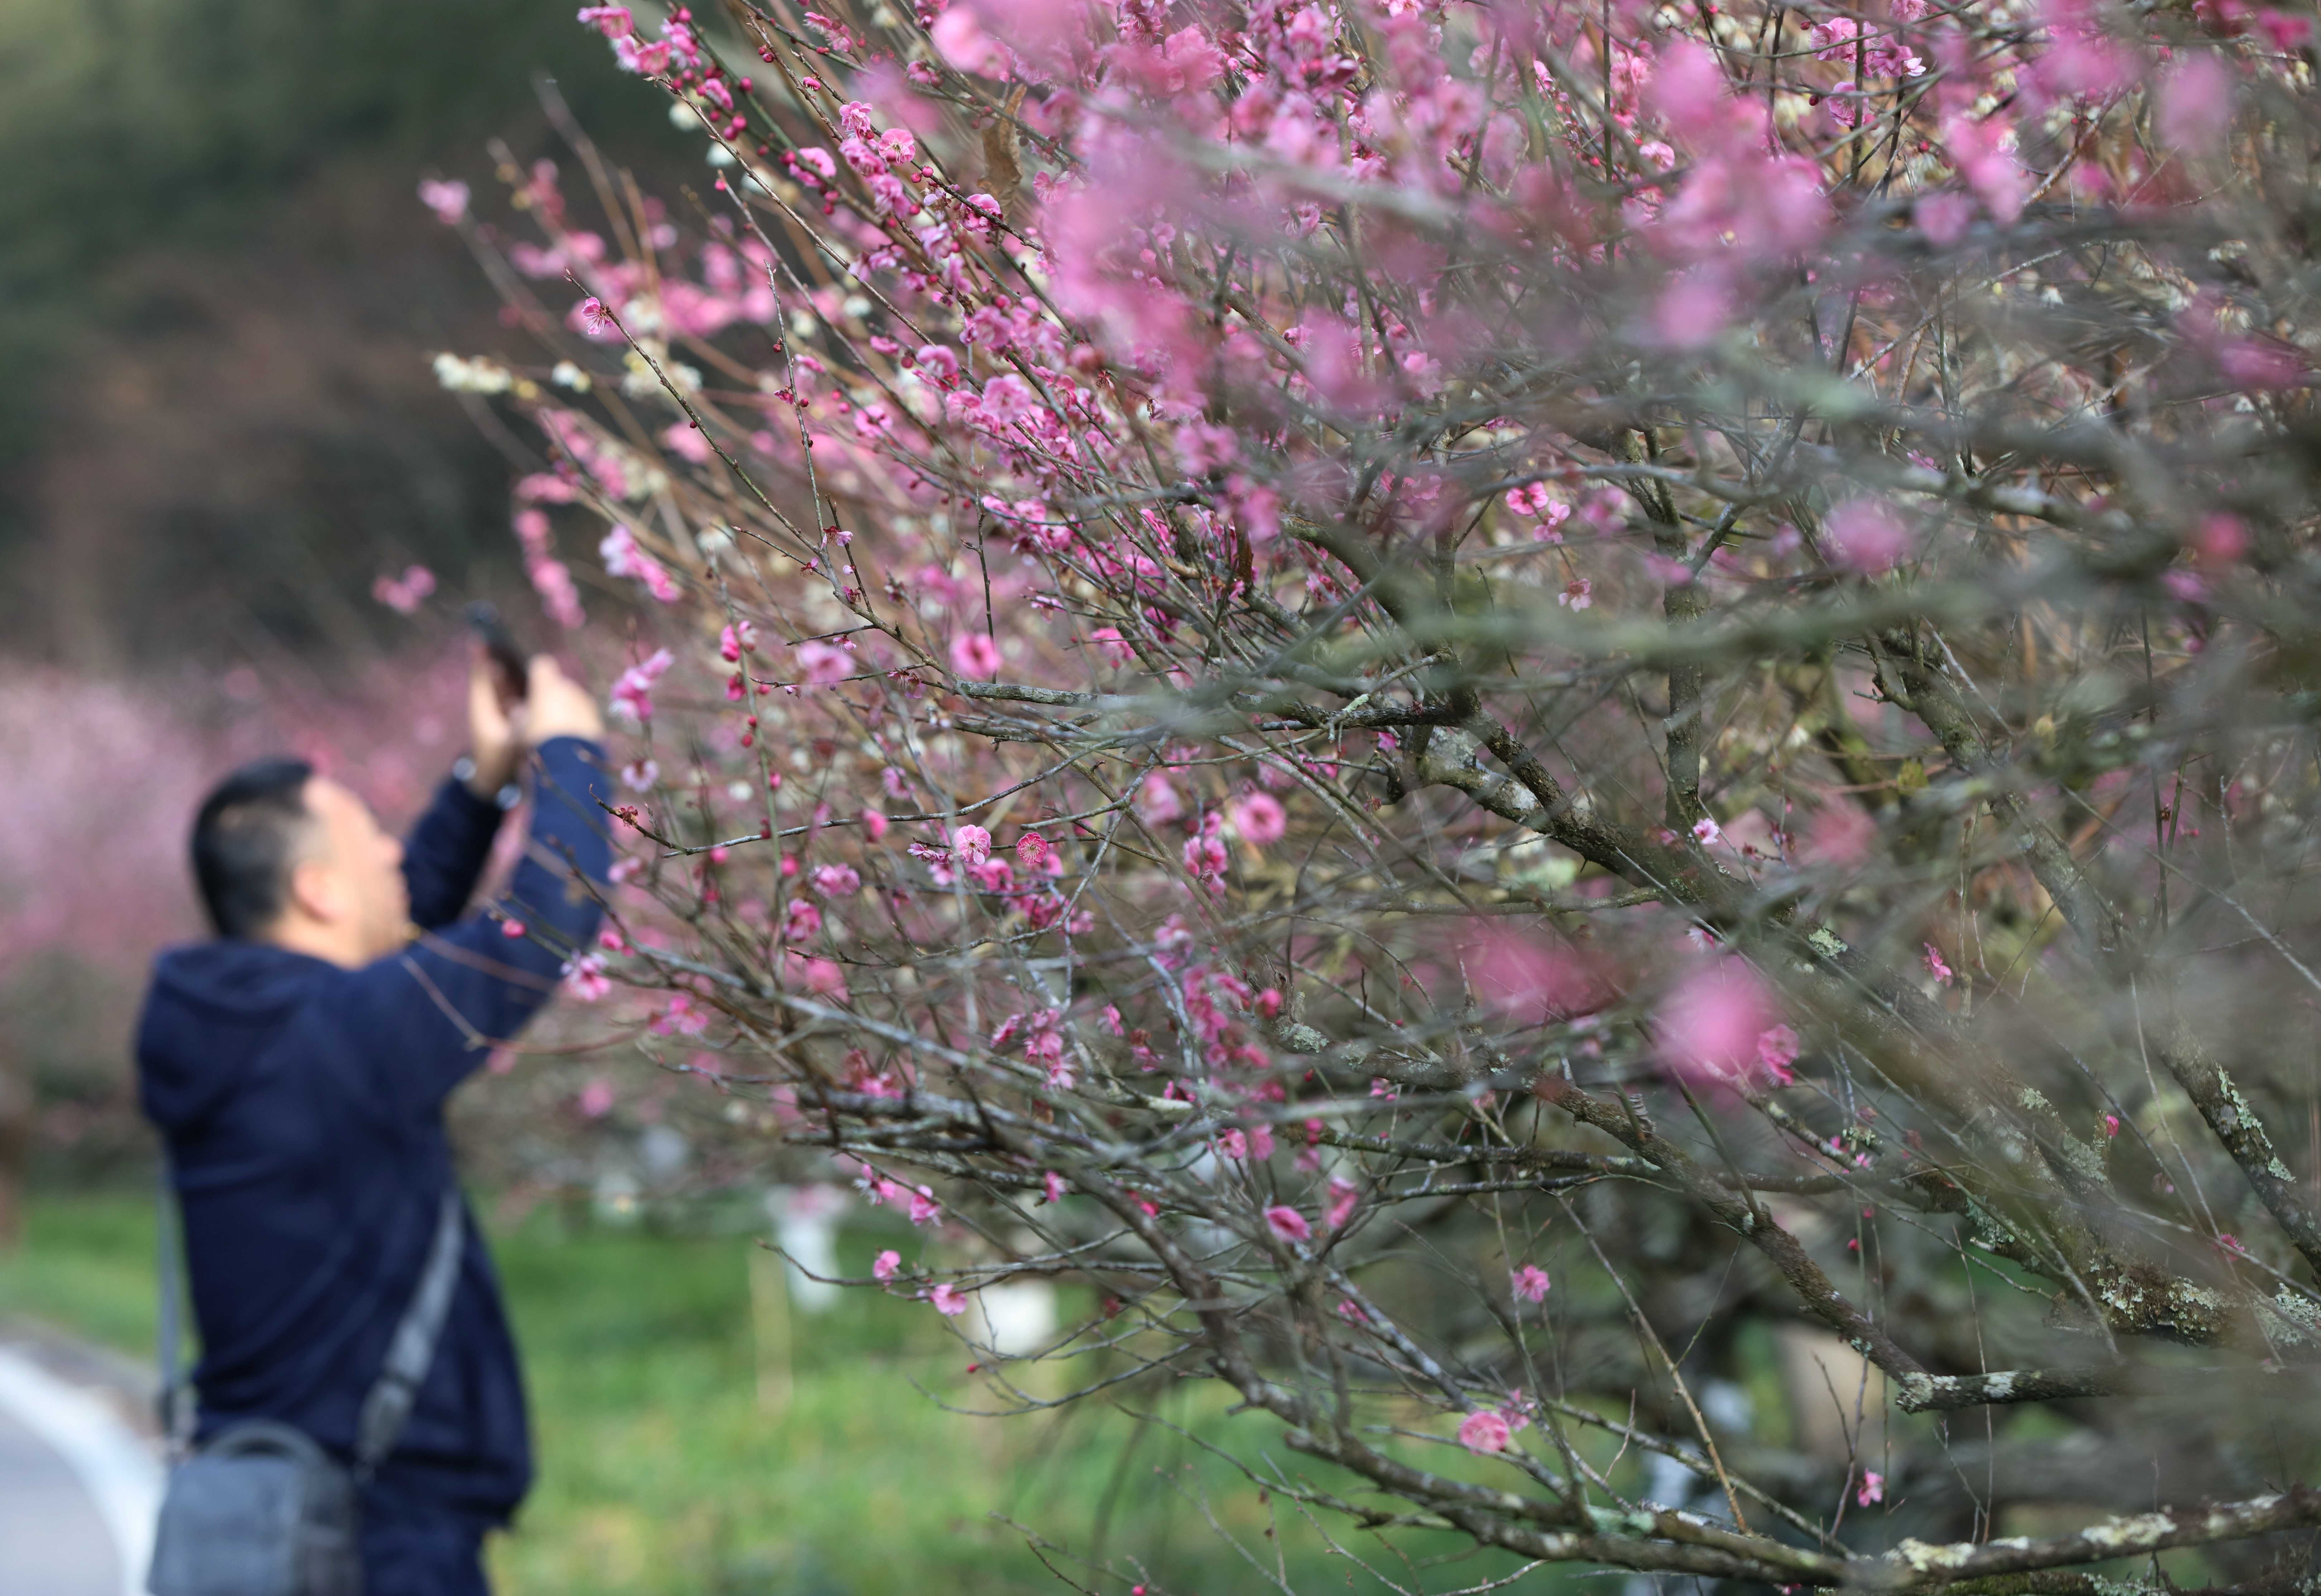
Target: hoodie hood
214	1007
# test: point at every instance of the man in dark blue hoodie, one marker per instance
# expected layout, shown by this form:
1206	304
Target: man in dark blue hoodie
298	1067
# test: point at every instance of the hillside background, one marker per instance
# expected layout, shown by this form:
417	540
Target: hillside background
219	422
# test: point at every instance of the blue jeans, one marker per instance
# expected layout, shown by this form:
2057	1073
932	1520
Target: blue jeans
411	1554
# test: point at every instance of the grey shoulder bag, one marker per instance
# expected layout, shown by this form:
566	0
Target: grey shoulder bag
262	1510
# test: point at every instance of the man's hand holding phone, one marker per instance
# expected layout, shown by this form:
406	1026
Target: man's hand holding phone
509	712
555	705
495	741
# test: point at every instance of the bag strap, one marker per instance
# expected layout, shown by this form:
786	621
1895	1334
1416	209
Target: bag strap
168	1406
413	1349
409	1354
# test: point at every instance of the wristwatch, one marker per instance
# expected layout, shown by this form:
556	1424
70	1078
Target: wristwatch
464	771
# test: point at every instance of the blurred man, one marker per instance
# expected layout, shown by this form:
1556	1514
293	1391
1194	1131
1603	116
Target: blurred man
298	1067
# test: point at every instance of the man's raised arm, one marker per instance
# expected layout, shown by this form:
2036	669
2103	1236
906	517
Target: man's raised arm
447	850
421	1020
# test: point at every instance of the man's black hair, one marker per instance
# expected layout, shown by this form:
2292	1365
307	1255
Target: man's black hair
244	839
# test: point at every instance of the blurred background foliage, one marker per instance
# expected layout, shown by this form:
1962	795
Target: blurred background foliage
220	424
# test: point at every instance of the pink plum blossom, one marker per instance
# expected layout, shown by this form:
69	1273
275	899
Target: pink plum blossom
683	1015
632	691
1259	820
1205	853
1693	310
886	1266
975	653
1865	535
837	881
1529	1283
404	594
1944	217
2288	30
1776	1051
2260	364
647	59
947	1300
959	38
1709	1023
1484	1432
1156	800
1288	1224
624	558
447	200
1840	835
2220	538
824	664
2196	105
1980	151
1533	978
584	978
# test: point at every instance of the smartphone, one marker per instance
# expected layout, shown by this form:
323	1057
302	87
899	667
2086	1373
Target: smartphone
507	655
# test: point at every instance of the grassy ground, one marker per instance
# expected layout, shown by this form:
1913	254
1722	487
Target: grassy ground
695	1435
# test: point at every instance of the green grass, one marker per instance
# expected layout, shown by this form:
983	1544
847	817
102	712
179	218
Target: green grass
675	1456
86	1266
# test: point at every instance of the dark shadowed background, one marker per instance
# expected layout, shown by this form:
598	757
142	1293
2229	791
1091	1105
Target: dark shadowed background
220	421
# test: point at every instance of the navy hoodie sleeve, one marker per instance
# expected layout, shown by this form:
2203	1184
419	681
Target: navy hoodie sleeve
446	852
418	1022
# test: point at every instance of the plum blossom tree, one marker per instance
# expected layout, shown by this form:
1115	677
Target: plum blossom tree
1334	659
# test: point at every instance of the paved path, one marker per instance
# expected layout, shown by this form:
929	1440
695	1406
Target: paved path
78	1483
